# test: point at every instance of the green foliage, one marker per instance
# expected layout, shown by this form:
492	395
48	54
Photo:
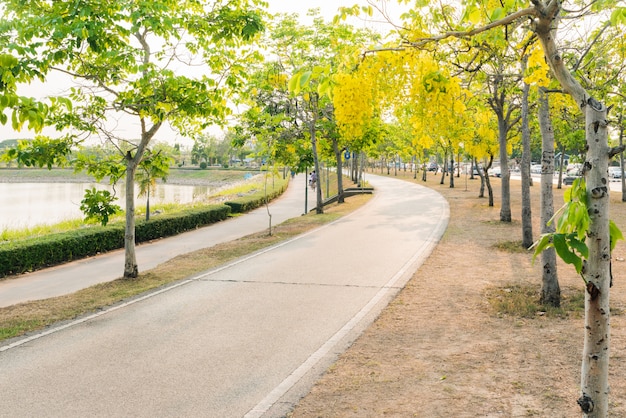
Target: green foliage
572	225
97	205
29	254
247	203
40	152
155	165
35	253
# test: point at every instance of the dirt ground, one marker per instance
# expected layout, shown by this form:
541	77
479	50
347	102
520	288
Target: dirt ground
441	350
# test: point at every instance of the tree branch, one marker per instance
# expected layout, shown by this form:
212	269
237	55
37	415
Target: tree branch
531	11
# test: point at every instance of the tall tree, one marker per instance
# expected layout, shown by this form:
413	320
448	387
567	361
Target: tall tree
591	222
128	59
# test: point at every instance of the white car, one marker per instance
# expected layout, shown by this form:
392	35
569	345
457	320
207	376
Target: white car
615	172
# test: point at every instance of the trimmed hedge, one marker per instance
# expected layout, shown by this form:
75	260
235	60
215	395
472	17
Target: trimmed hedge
247	203
36	253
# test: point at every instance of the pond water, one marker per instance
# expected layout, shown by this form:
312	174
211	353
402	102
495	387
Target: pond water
29	204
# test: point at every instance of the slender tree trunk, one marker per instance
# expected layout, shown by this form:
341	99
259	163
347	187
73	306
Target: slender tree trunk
505	210
489	190
595	365
148	204
594	400
621	159
362	156
340	196
527	218
445	168
482	183
131	269
452	169
319	208
550	289
560	182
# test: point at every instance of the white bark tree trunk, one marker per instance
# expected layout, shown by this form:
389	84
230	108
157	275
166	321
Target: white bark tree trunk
594	400
527	217
595	364
550	289
505	210
131	269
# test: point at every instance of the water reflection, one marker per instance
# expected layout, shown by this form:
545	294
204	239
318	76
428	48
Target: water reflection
28	204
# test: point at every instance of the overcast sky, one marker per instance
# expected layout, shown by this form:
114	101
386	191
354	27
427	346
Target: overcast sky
328	9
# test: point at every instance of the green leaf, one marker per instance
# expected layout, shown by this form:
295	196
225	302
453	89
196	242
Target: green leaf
567	255
618	17
578	245
615	234
294	83
498	14
306	77
544	242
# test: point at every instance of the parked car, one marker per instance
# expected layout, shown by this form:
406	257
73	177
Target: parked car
433	167
615	172
535	168
569	180
496	172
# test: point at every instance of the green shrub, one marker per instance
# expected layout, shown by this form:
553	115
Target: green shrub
30	254
203	165
247	203
35	253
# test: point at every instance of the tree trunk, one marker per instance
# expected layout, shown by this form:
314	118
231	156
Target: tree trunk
481	174
340	196
505	210
485	176
445	169
560	182
594	401
595	366
319	207
451	169
131	269
621	159
550	289
527	219
148	204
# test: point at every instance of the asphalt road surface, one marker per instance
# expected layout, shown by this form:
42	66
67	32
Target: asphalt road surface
248	339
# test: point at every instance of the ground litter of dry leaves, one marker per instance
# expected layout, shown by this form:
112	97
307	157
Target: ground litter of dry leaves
440	349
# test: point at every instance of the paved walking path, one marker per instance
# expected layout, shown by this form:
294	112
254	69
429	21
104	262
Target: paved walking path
245	340
69	278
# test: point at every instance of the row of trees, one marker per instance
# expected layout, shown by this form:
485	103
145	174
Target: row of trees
456	80
463	80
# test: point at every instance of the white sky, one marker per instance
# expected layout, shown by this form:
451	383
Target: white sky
328	9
